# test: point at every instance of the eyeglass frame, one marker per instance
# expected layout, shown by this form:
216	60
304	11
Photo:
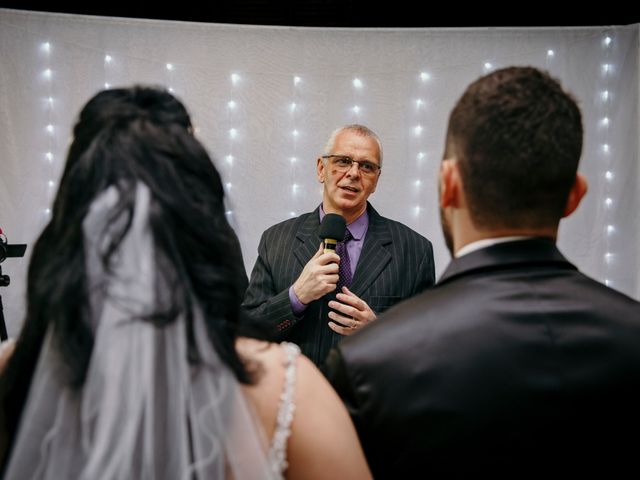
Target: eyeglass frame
377	168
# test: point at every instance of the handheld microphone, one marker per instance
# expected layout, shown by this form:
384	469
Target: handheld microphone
332	231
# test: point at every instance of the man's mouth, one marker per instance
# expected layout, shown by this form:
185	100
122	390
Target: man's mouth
350	189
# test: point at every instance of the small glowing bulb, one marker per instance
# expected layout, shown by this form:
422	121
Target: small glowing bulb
608	202
46	46
295	133
231	104
607	41
233	133
50	100
357	83
608	256
107	86
107	58
607	282
418	183
49	156
171	90
169	66
356	109
293	159
228	213
424	76
293	106
228	185
605	122
550	53
417	130
51	183
606	68
47	211
608	175
229	159
235	78
420	155
419	103
605	148
294	187
49	128
47	73
487	66
605	95
296	80
416	210
610	229
292	214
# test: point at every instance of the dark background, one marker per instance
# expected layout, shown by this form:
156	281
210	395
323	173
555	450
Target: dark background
352	13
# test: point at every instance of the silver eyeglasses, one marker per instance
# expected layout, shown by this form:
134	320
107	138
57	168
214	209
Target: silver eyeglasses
343	163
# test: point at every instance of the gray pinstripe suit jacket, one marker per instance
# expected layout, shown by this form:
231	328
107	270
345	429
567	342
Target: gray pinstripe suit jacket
396	263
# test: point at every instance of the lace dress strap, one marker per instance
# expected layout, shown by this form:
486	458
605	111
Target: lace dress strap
278	450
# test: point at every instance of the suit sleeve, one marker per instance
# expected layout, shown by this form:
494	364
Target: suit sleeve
426	276
262	302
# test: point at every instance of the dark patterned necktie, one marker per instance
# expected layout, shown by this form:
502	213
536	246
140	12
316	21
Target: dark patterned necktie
344	270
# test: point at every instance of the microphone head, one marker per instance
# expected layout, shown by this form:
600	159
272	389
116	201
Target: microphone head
333	226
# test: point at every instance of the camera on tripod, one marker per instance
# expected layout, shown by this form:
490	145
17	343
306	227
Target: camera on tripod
6	251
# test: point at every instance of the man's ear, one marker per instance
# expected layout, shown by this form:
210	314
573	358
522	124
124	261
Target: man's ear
450	184
578	190
320	170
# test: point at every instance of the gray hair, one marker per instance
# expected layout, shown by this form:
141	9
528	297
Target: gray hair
357	129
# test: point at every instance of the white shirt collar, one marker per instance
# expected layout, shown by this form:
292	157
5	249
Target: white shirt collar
487	242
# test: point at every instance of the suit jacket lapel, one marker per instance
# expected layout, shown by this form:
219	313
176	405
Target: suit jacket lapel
308	237
374	257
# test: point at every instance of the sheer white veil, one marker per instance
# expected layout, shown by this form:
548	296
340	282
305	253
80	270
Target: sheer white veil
143	412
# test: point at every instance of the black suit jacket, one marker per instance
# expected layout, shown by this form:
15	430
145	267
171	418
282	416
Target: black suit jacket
515	364
395	264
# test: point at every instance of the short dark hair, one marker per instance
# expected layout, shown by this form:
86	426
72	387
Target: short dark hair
517	136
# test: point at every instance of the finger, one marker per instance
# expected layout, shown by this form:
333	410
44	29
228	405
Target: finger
344	320
345	309
351	299
328	269
329	258
320	250
341	330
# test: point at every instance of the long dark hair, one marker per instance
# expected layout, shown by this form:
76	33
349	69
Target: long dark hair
122	137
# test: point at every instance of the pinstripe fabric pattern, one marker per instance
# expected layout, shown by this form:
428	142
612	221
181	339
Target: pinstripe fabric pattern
395	264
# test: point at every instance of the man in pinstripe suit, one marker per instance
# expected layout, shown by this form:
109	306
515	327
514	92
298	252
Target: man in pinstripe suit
293	282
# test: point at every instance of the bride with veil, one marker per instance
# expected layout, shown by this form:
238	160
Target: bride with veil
134	361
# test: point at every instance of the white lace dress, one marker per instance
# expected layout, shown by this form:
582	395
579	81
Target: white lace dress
286	408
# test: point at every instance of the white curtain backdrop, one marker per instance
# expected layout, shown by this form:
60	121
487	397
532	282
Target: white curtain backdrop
264	100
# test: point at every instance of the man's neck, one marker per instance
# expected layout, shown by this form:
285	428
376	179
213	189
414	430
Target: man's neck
349	215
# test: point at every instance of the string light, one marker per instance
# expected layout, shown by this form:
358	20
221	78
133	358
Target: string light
233	133
231	104
417	130
107	59
550	53
296	80
235	78
356	109
424	76
229	159
169	66
357	83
